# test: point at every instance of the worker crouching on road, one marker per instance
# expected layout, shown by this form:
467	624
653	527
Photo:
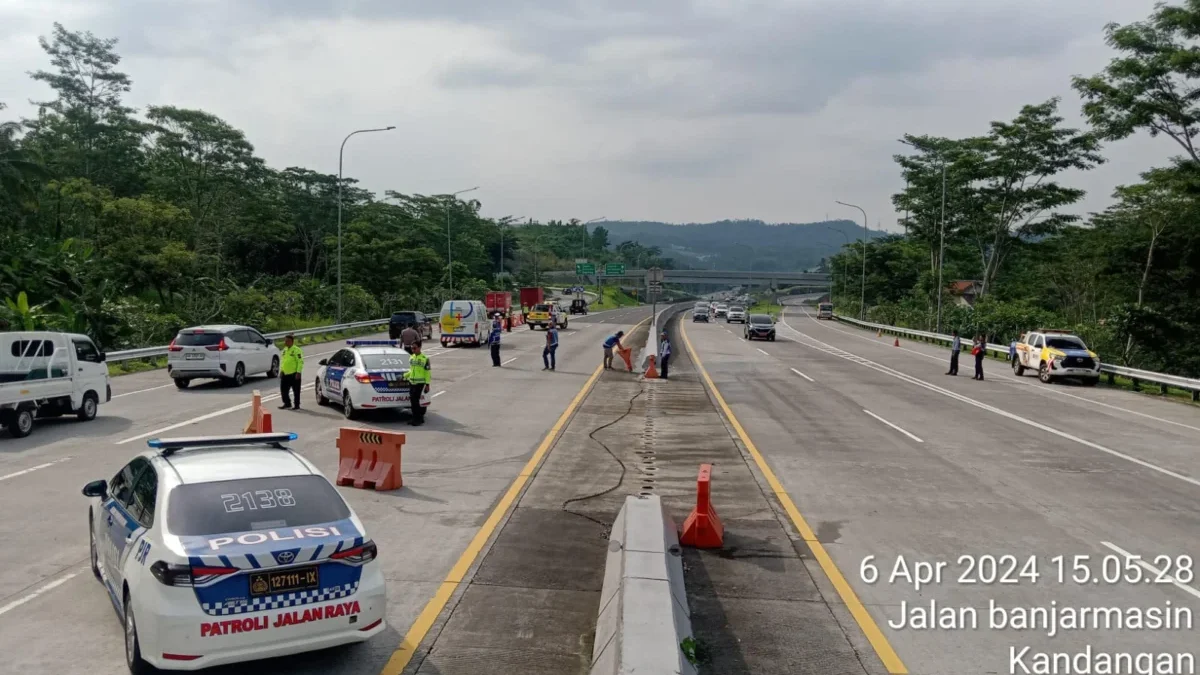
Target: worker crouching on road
291	365
418	382
494	342
611	342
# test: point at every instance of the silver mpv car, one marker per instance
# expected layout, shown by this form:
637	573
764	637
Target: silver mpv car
226	352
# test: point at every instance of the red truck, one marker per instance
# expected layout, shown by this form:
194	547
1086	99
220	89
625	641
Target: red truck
531	297
498	302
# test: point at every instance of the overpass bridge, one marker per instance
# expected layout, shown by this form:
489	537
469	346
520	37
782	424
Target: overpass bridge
709	277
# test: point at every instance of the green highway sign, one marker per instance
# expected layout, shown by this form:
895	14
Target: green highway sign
614	270
584	269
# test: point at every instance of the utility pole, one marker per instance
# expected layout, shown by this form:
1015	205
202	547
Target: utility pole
341	152
449	247
862	303
941	251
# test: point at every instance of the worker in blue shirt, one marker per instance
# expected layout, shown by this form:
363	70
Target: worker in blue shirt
551	348
611	342
494	342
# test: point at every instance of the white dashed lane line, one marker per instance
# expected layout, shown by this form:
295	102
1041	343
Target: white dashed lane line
43	589
32	469
893	426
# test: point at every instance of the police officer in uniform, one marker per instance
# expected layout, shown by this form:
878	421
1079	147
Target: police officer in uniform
291	364
418	383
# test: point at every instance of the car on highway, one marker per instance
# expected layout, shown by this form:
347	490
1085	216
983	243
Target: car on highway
365	375
545	315
700	313
46	374
721	310
736	314
224	549
579	306
464	322
418	320
825	310
224	352
760	327
1055	355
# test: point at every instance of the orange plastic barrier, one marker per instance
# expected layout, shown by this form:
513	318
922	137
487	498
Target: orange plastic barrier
369	459
260	422
703	528
627	357
651	371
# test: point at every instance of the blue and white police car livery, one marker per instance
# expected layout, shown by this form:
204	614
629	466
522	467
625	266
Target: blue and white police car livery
365	375
225	549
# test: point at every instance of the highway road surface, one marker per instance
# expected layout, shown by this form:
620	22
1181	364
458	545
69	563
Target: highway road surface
483	425
954	510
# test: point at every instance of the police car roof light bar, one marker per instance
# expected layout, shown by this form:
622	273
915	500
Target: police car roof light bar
169	446
376	343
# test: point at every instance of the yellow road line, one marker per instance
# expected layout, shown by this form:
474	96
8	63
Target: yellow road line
425	620
883	648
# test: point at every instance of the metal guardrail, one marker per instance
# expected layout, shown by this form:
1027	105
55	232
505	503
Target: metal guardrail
1138	376
150	352
656	326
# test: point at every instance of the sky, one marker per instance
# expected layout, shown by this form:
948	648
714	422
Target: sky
670	110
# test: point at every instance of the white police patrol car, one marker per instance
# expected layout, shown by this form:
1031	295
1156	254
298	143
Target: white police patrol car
366	375
224	549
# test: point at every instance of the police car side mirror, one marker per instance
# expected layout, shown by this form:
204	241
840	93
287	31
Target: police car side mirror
323	362
96	488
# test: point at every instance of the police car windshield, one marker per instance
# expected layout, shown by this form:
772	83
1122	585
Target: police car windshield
1064	343
387	361
249	504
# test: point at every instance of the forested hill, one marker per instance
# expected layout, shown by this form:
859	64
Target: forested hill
741	244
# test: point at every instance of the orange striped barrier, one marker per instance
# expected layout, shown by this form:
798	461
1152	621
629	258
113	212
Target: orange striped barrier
260	421
369	459
703	528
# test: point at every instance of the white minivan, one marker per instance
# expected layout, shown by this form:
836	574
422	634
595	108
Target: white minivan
48	375
464	322
228	353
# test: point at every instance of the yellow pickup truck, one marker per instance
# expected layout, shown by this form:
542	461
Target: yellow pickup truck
546	315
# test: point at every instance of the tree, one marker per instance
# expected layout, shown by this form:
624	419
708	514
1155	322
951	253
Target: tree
1014	191
1151	85
86	131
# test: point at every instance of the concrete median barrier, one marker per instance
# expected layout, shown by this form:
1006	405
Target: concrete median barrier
644	616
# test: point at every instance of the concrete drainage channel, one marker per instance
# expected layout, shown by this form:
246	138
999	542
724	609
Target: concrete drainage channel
644	615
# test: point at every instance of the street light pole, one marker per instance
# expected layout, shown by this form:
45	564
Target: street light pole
503	224
845	263
341	152
941	251
862	303
583	244
449	253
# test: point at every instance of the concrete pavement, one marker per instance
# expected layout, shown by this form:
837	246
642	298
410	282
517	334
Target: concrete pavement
483	425
885	456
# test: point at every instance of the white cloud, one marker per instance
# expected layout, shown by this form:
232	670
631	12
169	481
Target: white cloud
672	110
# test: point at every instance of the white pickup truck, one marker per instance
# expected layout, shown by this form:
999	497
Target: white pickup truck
47	374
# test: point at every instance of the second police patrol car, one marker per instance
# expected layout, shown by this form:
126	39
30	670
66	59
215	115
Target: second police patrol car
365	375
1055	354
217	550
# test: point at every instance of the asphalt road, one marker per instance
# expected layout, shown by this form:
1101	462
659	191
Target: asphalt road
483	424
884	455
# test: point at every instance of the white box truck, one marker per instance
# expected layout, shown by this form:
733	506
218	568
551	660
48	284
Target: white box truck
44	374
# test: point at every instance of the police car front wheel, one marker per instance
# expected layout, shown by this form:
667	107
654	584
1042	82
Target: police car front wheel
93	554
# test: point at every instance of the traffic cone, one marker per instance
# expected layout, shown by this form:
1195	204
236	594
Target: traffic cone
651	371
897	343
